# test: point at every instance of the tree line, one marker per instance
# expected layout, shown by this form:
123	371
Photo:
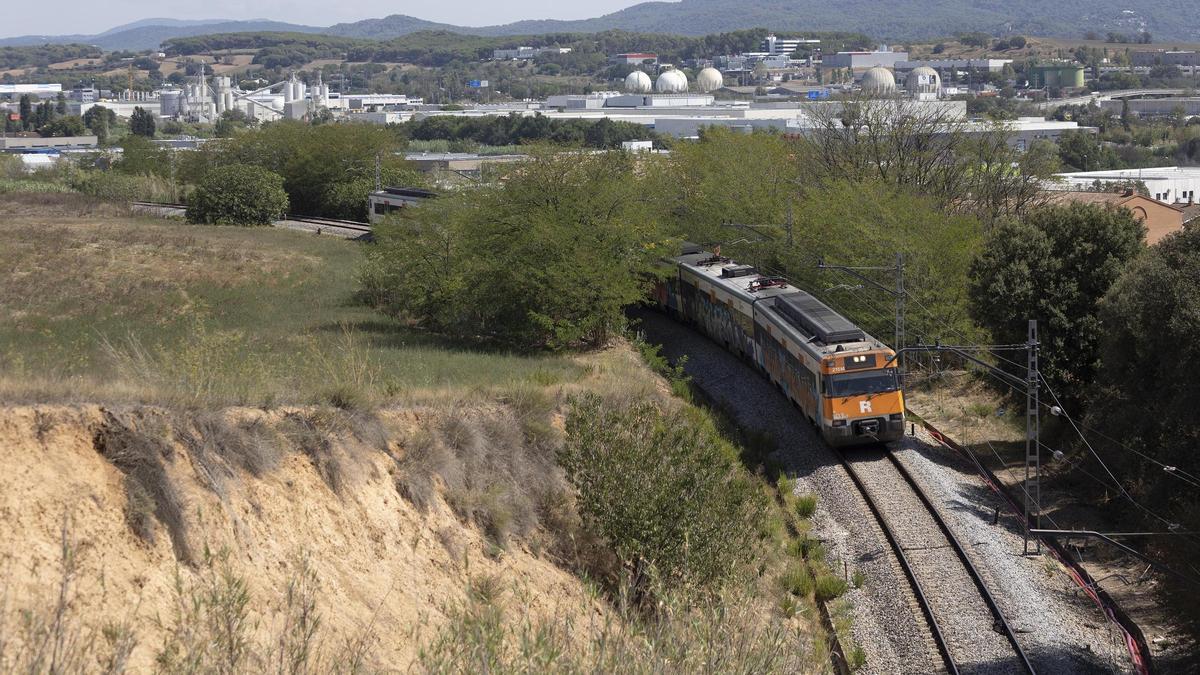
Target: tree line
551	256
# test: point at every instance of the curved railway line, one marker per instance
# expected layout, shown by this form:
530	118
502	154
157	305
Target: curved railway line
347	228
964	619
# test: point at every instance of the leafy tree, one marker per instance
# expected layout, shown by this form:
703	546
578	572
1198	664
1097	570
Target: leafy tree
142	122
550	257
1082	151
238	195
99	119
64	126
1147	394
311	159
866	223
1054	266
141	156
26	110
664	491
348	199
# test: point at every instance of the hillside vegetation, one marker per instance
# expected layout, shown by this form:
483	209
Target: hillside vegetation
214	458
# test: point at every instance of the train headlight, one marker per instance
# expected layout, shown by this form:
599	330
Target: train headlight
840	423
896	417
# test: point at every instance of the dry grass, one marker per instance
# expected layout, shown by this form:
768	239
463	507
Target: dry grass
111	308
495	630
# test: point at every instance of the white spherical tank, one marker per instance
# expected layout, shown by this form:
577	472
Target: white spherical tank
638	82
710	79
672	82
879	81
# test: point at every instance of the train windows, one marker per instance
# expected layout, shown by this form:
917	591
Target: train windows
859	384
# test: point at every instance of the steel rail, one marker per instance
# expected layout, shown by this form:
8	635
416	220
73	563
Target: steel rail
970	567
934	628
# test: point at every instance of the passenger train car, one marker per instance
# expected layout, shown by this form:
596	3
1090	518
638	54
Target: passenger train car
841	378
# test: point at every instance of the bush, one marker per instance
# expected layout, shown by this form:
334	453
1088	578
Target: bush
238	195
664	490
1054	267
565	244
124	188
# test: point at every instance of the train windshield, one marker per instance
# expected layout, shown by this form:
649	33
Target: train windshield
860	384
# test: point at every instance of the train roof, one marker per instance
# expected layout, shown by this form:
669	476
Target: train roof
816	325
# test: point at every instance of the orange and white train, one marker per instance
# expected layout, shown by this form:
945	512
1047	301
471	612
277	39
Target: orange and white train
845	381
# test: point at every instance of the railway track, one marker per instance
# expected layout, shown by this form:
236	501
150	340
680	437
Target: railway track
967	625
351	228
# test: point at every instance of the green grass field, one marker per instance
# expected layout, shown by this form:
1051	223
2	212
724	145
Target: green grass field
108	307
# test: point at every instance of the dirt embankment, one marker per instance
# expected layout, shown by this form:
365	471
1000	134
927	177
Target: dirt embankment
150	498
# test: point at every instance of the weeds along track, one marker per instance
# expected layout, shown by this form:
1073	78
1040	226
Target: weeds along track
964	619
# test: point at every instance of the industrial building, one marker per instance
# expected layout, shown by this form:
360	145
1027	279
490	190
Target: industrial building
526	53
957	66
1155	107
1178	185
1164	57
636	58
42	91
883	57
776	45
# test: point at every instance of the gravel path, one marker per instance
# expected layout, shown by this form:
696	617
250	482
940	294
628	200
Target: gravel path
1059	628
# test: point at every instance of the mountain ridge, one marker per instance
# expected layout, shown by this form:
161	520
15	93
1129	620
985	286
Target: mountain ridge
899	20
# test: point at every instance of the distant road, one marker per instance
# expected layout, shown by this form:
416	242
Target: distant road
346	229
1109	96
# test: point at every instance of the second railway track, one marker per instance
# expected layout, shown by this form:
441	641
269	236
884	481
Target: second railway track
966	623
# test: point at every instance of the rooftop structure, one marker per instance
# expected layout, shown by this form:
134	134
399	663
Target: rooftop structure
1170	184
858	61
37	90
1164	57
777	45
636	58
1160	219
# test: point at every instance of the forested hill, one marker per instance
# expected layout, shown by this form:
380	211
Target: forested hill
883	19
148	35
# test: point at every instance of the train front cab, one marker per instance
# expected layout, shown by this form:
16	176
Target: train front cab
862	402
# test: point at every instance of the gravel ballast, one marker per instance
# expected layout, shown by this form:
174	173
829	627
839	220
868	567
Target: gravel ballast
1059	628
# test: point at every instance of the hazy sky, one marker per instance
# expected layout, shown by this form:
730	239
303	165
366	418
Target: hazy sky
58	17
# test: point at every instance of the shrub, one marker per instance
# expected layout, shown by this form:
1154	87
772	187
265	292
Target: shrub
806	505
829	586
664	490
124	188
238	195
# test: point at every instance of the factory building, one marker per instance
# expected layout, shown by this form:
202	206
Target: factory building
883	57
1163	57
42	91
1155	107
788	46
1177	185
635	58
954	65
